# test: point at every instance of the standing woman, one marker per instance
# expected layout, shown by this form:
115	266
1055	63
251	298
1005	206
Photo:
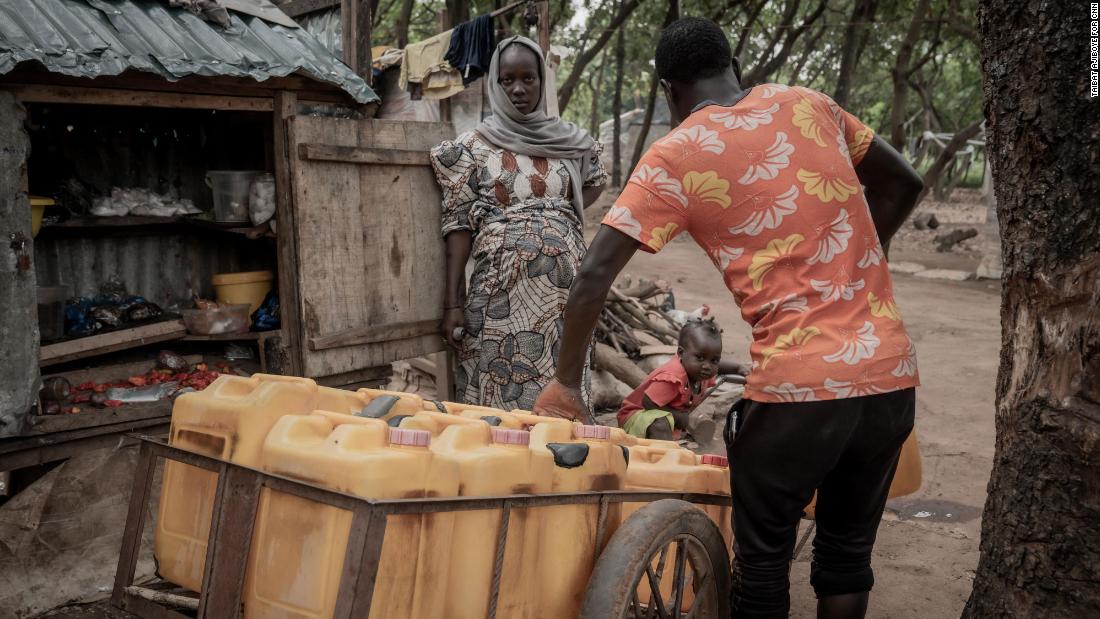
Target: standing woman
514	192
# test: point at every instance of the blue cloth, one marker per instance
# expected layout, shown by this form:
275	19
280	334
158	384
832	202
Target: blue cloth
471	49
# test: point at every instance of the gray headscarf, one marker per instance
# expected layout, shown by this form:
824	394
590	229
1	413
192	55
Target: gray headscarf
536	134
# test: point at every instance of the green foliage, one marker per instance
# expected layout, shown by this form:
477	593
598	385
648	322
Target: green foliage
944	92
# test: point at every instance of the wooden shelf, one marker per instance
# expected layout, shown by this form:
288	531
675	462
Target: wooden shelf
251	336
70	350
90	417
130	222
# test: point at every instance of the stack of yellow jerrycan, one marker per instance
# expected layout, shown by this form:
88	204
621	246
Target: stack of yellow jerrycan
230	420
493	461
664	465
585	460
298	546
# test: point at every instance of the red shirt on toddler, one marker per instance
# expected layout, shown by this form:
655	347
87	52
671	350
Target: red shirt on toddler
668	387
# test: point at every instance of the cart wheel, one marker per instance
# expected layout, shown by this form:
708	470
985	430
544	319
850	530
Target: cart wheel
669	546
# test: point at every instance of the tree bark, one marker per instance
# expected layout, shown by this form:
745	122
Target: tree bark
594	113
903	67
651	99
863	11
403	19
617	111
1040	549
565	94
932	175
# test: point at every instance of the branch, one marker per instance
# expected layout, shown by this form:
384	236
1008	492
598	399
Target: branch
747	28
931	177
762	72
570	85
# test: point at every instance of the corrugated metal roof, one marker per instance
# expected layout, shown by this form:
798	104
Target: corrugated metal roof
88	38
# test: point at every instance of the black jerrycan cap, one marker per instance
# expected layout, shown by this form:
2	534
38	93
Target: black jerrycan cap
492	420
568	455
378	407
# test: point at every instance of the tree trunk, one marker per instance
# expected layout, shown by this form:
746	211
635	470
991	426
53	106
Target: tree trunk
1040	549
900	74
854	33
932	175
459	11
594	116
651	99
403	19
617	111
570	86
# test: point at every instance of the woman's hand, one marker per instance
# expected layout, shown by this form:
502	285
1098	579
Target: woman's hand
453	319
558	400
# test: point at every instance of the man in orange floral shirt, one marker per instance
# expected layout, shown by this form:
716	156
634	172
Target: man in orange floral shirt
794	200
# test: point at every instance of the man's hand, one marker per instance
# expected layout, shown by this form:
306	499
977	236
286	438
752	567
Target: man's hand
557	400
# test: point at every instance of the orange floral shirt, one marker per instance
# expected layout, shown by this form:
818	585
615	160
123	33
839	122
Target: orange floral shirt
768	189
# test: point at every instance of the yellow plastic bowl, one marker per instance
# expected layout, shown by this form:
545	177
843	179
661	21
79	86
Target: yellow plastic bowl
249	287
38	207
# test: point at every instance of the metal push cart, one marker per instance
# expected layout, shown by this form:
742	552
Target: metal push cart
669	533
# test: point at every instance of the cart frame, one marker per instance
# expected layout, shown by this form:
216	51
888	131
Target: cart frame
234	514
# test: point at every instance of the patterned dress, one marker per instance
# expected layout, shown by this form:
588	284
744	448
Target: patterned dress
527	245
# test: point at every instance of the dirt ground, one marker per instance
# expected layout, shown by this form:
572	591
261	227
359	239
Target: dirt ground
927	546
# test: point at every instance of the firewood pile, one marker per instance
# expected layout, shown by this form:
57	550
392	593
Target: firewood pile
637	332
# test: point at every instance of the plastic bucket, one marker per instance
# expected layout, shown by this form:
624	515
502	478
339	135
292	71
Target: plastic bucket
230	190
249	287
38	207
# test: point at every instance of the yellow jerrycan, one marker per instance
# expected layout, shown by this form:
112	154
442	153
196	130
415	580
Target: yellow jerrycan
298	546
907	477
436	422
664	465
714	478
587	461
493	461
227	420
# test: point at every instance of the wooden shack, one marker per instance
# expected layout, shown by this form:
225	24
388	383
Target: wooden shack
356	249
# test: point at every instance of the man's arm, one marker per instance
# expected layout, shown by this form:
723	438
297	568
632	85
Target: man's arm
892	188
729	366
606	257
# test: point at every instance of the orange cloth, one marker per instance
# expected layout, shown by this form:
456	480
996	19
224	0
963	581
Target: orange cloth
668	387
768	189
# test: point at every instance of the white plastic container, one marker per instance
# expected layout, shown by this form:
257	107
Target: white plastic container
230	189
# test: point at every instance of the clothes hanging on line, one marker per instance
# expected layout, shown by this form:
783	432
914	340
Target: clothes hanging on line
471	48
424	64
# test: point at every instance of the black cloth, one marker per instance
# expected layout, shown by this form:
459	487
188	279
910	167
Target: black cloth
845	449
471	49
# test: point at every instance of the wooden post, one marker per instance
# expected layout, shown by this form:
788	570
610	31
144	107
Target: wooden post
286	106
445	24
355	21
444	362
235	501
135	523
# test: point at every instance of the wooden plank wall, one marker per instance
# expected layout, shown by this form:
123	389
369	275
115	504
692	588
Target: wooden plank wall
369	244
18	318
